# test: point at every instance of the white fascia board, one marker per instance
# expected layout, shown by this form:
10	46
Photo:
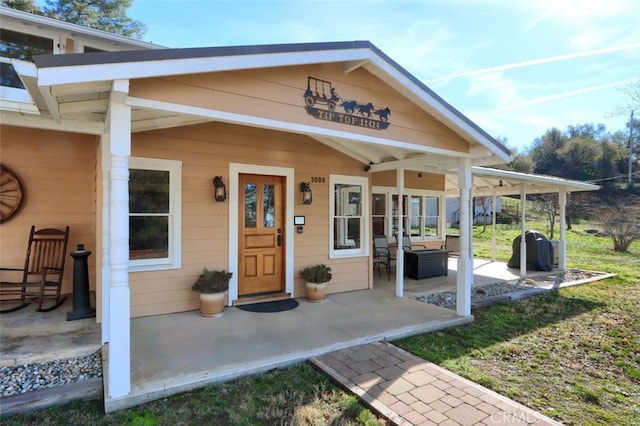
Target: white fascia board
18	106
404	85
550	181
266	123
46	123
167	67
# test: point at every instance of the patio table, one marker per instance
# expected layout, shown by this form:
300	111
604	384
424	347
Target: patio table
419	264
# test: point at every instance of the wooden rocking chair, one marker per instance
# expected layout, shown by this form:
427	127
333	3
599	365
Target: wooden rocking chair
41	275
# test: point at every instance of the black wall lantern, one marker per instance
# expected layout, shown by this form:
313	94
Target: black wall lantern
307	195
220	192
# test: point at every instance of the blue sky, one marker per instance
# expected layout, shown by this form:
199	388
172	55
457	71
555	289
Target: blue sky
516	68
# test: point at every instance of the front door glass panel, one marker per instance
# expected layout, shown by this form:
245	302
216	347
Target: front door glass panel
250	205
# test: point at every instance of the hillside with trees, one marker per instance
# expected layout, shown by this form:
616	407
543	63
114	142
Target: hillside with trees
588	152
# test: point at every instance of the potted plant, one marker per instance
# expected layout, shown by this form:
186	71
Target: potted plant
316	277
212	286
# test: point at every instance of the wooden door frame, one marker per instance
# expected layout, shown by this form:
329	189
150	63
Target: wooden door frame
235	170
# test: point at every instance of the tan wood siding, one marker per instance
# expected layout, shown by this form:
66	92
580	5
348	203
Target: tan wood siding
428	181
206	151
277	94
57	171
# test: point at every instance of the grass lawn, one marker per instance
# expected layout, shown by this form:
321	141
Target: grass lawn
574	355
299	395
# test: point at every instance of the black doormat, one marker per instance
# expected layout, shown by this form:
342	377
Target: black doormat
274	306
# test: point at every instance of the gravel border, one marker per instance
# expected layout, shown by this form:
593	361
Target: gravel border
486	294
19	379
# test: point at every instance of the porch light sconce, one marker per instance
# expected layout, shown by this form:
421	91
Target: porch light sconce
419	174
307	195
220	192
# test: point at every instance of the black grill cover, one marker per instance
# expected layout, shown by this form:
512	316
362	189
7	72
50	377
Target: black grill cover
539	252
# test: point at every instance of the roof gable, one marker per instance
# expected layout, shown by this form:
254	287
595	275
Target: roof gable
92	68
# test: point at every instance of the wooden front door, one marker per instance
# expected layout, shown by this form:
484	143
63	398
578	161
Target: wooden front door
261	234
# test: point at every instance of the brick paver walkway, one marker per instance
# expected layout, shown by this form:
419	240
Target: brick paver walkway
410	391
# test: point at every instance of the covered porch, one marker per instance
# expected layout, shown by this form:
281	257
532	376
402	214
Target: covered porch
178	352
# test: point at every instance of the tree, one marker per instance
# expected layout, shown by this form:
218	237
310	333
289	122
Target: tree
547	205
522	163
578	158
632	90
623	224
545	152
106	15
23	5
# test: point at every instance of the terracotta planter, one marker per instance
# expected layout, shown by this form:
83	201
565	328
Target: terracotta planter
316	292
212	304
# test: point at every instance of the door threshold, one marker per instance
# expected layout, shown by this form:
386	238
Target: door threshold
271	297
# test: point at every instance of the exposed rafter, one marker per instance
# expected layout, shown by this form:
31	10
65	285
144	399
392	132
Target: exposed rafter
351	66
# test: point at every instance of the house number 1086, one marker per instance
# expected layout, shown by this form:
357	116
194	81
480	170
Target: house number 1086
317	179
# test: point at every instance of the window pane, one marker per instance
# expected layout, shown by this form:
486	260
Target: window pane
348	200
250	206
9	77
379	209
416	216
379	205
23	46
378	226
148	237
432	206
148	191
431	220
353	231
269	206
346	233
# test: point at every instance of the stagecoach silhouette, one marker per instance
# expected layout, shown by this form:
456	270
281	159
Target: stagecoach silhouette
322	92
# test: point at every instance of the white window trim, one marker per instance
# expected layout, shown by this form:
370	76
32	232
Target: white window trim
174	261
409	192
363	251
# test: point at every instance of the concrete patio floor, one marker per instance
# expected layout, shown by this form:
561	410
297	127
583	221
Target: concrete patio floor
178	352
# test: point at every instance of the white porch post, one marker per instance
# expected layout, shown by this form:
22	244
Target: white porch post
562	244
106	242
400	251
465	260
119	127
493	226
523	230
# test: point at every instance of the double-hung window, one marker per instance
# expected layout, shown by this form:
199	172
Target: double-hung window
154	214
349	225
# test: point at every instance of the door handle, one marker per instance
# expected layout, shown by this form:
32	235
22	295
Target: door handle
279	240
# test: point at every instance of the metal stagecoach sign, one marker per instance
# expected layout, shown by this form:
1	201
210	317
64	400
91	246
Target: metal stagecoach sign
321	100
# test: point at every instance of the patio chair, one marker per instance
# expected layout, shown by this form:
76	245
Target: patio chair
41	275
406	243
382	255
